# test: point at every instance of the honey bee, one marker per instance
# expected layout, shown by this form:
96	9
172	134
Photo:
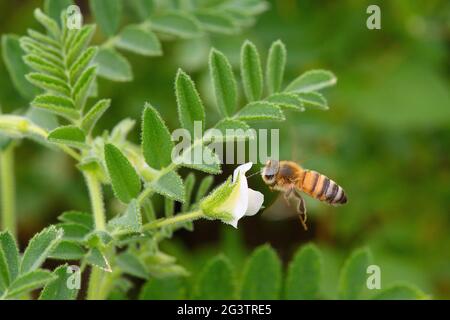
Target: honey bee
291	179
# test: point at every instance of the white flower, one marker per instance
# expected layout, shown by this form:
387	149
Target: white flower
234	199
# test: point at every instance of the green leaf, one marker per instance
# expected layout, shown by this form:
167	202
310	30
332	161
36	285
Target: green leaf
172	288
29	281
44	66
48	23
190	107
169	207
400	292
157	142
77	43
201	158
304	274
68	135
261	279
113	66
216	280
124	179
140	41
58	105
82	218
189	183
10	251
82	63
260	110
286	100
312	81
353	275
96	258
98	239
54	8
83	85
276	63
131	264
204	187
94	114
49	83
107	14
39	248
12	56
314	100
169	185
215	21
4	272
225	88
43	39
176	24
68	250
74	231
58	289
230	130
251	72
130	221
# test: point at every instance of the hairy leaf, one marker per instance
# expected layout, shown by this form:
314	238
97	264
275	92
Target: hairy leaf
124	179
304	274
82	63
275	66
140	41
96	258
251	72
12	56
68	250
353	274
400	292
176	24
59	289
164	288
204	187
82	218
169	185
107	13
39	248
94	114
77	43
48	23
312	81
189	183
68	135
230	129
29	281
225	88
190	107
286	100
201	158
53	8
260	110
48	82
10	256
313	100
130	221
261	279
216	280
131	264
82	86
157	143
58	105
215	21
74	231
113	66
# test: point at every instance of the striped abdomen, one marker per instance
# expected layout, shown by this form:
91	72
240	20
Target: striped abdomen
322	188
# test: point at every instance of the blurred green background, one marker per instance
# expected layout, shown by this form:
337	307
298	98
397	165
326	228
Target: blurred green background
386	138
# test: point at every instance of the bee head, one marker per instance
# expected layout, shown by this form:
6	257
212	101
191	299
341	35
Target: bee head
270	171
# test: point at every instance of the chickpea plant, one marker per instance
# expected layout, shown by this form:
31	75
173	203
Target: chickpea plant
64	67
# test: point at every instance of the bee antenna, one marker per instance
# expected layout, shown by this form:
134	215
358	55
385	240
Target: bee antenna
255	173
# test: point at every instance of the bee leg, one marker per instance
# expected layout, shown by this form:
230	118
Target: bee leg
288	194
301	209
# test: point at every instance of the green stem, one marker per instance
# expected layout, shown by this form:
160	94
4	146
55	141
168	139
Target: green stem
191	216
96	197
98	210
8	190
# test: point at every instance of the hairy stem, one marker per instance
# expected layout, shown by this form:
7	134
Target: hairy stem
96	197
190	216
98	210
8	190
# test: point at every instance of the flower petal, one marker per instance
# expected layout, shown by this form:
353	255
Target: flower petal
255	201
243	168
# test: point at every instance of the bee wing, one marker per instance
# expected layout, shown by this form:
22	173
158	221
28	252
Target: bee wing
282	208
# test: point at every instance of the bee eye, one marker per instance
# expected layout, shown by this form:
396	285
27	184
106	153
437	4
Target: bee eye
269	176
